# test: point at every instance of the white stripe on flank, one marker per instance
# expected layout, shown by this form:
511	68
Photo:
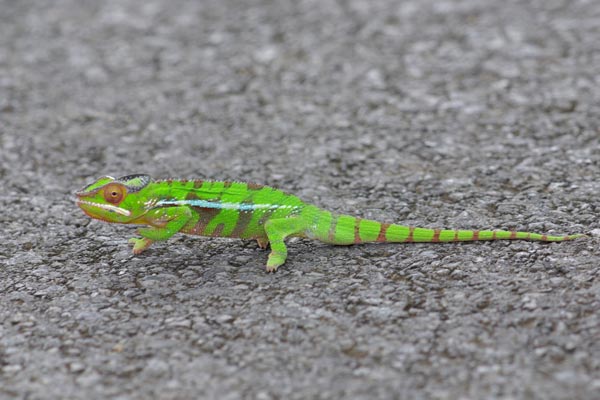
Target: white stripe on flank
222	206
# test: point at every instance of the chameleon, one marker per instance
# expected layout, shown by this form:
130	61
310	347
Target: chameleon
250	211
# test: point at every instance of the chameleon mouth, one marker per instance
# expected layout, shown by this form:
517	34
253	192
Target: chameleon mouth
107	207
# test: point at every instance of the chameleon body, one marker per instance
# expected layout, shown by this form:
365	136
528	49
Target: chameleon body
249	211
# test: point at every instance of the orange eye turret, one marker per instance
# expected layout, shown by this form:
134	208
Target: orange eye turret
114	193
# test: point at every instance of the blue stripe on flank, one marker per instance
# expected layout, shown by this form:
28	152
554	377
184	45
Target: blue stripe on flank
219	205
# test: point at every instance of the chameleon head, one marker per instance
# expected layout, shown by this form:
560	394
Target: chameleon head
114	200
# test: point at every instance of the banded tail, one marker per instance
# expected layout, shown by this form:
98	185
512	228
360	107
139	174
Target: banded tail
346	229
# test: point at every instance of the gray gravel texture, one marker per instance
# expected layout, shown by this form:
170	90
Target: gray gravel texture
464	114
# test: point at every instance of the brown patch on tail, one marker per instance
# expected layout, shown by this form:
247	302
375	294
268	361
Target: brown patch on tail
356	233
436	235
381	237
411	234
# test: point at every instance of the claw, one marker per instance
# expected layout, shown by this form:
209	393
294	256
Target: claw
274	261
139	245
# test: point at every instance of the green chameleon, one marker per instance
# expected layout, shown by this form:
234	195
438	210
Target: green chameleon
249	211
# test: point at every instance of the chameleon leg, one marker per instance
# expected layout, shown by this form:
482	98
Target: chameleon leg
277	230
262	243
176	217
140	245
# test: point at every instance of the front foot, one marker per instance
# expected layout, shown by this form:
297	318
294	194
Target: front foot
275	261
140	245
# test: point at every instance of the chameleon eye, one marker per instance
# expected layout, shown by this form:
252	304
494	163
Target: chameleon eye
114	193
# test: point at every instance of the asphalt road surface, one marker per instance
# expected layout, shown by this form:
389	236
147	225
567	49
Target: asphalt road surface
462	114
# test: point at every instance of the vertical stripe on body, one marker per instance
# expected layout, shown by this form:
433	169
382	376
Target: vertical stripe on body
205	215
243	221
222	224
